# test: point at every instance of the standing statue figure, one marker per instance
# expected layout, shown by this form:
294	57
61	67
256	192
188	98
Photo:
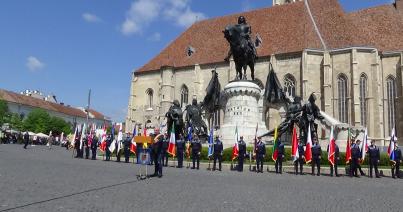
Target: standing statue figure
241	47
194	119
175	116
310	112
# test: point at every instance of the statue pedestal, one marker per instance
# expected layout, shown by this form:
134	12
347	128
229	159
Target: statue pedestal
242	112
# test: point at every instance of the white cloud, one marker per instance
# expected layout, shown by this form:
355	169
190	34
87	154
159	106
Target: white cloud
144	12
34	64
90	18
155	37
140	14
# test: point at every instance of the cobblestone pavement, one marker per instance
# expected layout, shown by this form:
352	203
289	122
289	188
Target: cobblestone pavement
38	179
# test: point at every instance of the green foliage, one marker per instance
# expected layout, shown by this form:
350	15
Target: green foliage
40	121
16	122
4	114
58	125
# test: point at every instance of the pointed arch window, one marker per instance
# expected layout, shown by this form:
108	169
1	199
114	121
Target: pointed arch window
391	97
184	95
363	99
289	85
342	94
150	95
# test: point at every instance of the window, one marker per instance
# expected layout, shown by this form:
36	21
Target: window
150	94
184	95
363	99
289	85
391	96
190	50
258	41
342	94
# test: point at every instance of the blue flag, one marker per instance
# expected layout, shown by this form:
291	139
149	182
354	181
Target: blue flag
190	132
113	131
134	132
210	143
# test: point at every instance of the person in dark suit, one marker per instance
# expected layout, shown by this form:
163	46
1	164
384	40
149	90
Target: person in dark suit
196	151
397	161
107	151
355	155
94	146
300	160
77	145
157	156
359	157
260	154
165	144
126	147
26	139
218	150
374	157
336	161
86	146
180	148
280	156
241	153
316	157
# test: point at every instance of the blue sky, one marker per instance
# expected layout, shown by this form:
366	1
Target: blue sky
69	46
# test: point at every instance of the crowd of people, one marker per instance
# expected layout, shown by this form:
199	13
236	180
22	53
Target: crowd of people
191	151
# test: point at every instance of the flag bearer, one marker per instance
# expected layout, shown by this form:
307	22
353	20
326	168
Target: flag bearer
280	157
94	145
241	153
397	160
260	154
126	146
180	148
218	150
316	156
196	151
374	157
336	160
300	160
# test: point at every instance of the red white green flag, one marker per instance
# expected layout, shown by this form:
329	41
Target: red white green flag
171	146
275	145
348	147
235	149
294	148
332	148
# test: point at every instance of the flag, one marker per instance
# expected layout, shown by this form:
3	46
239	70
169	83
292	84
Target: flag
112	147
332	148
133	147
188	149
82	136
210	143
134	132
103	141
364	146
275	145
391	148
255	142
294	148
171	146
120	138
235	149
348	147
308	149
190	132
61	137
145	131
74	136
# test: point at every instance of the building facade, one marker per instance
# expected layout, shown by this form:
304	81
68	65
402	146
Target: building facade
351	61
23	104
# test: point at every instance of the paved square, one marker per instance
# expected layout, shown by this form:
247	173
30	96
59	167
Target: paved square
39	179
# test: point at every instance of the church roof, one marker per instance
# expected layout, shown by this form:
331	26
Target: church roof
16	98
285	29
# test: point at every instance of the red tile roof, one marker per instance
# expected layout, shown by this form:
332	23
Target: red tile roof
285	29
39	103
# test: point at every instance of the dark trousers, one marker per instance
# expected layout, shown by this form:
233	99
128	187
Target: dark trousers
396	170
127	155
279	164
373	164
240	163
94	153
165	158
87	152
334	167
316	162
195	158
217	156
78	152
259	163
353	167
25	144
107	154
158	165
117	156
180	159
299	162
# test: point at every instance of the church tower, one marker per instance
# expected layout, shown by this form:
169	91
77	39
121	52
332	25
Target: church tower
280	2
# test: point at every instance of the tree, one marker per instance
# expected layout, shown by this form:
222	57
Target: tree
4	114
58	125
16	122
37	121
